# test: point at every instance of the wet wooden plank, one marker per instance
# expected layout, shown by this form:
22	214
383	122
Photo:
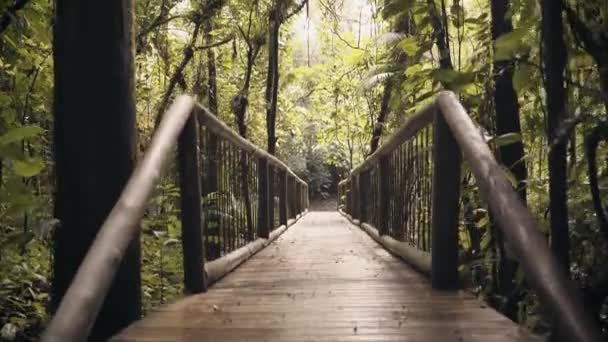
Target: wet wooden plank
325	280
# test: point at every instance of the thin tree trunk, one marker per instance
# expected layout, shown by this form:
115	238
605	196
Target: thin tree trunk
512	155
240	103
441	38
212	224
272	80
211	68
554	58
94	143
382	116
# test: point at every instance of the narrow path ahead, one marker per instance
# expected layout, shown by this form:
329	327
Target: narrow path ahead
325	280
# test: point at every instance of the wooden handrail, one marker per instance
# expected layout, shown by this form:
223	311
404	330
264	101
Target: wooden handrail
218	127
85	296
545	275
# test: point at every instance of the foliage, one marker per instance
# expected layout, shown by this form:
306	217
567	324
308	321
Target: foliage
336	57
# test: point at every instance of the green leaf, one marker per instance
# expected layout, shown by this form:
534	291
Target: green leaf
506	139
522	77
409	45
17	239
19	134
510	44
396	7
453	78
485	241
28	168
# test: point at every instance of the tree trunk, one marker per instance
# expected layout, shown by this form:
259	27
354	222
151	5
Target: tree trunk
94	145
441	37
240	103
272	81
211	68
554	58
382	116
212	221
512	155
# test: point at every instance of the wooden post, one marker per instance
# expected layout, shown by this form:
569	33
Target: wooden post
283	198
271	193
363	187
291	198
348	191
355	197
298	199
190	191
263	200
383	196
446	196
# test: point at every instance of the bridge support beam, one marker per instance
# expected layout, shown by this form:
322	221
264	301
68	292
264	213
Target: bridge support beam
446	199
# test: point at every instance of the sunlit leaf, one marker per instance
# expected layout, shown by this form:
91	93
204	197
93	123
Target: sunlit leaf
19	134
28	168
506	139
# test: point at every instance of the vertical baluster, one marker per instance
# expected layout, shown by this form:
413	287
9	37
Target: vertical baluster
263	199
355	196
418	198
401	193
224	193
271	192
283	198
190	190
253	172
363	189
383	195
446	195
429	188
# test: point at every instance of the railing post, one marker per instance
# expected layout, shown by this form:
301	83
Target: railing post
355	197
190	191
363	187
263	199
291	196
298	198
447	160
283	198
271	193
383	194
348	198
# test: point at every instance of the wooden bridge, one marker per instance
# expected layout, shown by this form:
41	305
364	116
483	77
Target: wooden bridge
384	267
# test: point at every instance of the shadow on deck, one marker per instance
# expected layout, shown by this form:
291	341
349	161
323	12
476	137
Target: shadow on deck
325	280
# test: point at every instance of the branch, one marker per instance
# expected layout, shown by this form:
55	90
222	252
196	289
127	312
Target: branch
216	44
583	34
599	133
10	13
335	32
206	12
158	22
295	11
566	128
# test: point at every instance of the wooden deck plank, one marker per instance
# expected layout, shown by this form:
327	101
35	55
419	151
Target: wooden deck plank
325	280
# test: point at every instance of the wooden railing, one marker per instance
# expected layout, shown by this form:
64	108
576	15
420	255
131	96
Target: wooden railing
406	196
232	193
